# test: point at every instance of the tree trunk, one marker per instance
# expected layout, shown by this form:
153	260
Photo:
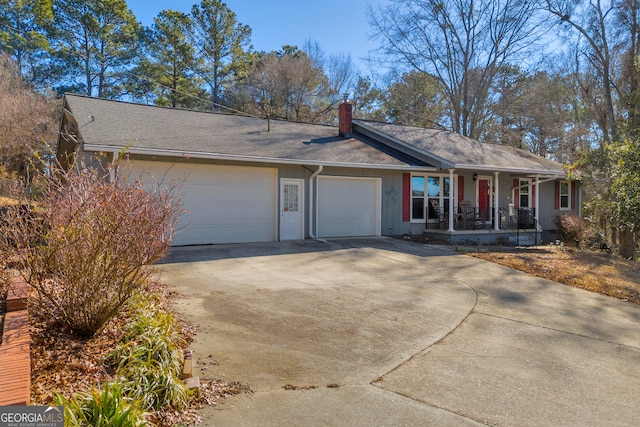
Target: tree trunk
627	246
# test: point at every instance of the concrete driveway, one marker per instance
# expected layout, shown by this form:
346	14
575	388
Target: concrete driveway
387	332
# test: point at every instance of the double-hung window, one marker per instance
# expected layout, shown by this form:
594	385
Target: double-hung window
565	195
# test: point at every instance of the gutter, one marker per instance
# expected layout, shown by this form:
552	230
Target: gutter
244	158
555	174
312	197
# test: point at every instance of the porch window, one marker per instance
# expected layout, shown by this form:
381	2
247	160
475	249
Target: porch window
427	191
417	197
565	195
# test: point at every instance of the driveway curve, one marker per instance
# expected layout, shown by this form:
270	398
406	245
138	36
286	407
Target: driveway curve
389	332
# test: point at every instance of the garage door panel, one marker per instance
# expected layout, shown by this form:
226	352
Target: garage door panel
222	204
225	233
349	207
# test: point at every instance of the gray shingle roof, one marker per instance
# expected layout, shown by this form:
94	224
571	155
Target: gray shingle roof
176	132
452	150
171	131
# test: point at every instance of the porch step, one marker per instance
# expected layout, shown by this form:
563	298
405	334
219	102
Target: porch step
525	240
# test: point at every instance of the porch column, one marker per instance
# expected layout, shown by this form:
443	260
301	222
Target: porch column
537	201
579	202
496	202
451	200
112	172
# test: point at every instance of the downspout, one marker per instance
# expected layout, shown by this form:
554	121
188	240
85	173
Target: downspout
311	202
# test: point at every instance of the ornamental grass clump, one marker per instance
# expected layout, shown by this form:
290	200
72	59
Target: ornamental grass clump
86	248
103	407
149	361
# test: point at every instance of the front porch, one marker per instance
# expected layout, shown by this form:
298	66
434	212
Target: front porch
514	226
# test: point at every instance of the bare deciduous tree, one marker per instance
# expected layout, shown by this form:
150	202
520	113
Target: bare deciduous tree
464	43
288	85
27	122
593	26
609	78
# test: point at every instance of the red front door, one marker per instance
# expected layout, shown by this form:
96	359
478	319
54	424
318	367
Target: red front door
484	198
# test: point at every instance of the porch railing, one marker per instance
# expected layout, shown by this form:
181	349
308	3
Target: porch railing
476	218
521	224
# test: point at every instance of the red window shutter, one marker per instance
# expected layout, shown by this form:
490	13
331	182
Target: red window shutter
533	194
460	188
573	195
516	192
556	198
406	197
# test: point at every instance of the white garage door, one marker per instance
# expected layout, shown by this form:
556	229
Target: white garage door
222	204
348	207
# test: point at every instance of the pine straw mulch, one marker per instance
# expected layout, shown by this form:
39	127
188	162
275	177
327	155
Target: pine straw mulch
599	272
64	364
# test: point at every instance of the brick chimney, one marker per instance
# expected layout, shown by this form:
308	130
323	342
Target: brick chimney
344	118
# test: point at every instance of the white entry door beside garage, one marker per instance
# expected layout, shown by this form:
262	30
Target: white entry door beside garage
221	204
291	209
349	206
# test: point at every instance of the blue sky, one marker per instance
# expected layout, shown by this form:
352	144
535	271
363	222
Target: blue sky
339	26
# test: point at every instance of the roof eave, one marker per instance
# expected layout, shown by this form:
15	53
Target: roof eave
244	158
515	170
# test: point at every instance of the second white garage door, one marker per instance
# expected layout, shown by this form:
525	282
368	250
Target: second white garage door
349	207
222	204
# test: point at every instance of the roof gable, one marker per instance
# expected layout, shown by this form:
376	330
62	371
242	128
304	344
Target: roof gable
451	150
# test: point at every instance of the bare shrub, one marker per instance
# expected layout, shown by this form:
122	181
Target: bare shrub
86	246
578	232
